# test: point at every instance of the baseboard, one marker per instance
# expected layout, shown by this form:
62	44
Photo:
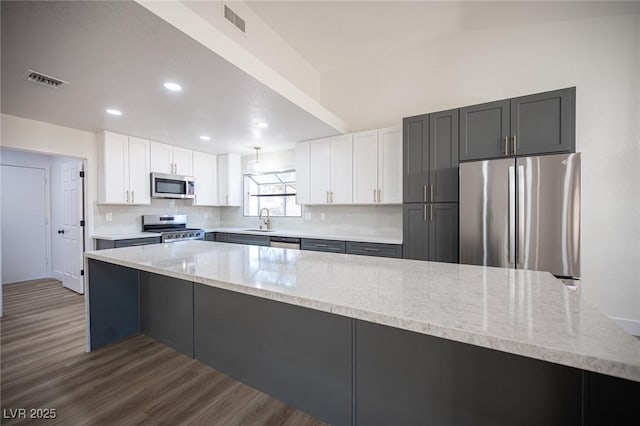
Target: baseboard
629	325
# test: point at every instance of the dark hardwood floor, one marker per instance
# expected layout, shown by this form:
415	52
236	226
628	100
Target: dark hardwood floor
136	381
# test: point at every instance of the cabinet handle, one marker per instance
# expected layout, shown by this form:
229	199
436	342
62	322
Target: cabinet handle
424	190
430	212
322	245
226	199
506	146
515	145
133	196
379	196
432	188
127	195
424	217
371	249
374	196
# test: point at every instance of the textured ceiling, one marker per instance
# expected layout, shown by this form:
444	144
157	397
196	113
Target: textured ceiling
117	54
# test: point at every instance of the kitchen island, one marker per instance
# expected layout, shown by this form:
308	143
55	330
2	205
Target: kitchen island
359	340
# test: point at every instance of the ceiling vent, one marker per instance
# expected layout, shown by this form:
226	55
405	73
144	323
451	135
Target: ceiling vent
43	79
231	16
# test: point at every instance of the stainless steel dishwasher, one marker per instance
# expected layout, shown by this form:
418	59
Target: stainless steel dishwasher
285	242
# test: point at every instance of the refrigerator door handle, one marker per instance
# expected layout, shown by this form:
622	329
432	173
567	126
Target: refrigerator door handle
512	216
522	193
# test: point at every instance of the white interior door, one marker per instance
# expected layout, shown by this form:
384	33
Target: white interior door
24	228
73	236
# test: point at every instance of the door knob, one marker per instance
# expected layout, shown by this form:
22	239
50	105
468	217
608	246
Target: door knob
60	231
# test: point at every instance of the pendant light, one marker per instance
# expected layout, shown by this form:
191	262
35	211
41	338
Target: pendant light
254	166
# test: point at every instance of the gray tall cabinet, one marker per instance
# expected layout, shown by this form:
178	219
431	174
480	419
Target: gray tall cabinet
430	182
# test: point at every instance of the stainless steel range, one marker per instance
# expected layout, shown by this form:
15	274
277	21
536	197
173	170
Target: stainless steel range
172	227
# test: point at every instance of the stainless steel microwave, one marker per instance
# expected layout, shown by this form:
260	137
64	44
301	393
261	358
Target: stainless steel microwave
171	186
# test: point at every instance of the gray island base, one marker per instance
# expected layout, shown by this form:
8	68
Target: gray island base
345	370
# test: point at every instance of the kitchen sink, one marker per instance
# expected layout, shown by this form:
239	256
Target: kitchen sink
260	230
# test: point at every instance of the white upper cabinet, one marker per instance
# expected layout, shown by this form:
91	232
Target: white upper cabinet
182	161
302	173
123	170
341	191
319	171
377	167
390	166
329	171
171	159
359	168
205	175
365	167
229	180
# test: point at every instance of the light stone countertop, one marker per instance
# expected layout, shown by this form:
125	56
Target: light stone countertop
520	312
315	235
128	236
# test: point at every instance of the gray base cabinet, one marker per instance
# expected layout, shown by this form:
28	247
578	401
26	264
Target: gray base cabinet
254	240
374	249
330	246
109	244
430	232
542	123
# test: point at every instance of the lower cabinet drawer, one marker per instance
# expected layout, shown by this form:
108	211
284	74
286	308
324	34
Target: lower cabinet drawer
254	240
374	249
109	244
323	245
210	236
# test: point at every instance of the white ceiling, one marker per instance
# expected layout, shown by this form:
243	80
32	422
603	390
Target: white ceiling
332	35
117	54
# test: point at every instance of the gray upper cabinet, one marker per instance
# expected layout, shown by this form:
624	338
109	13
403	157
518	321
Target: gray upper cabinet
484	130
430	148
443	155
543	123
430	232
415	143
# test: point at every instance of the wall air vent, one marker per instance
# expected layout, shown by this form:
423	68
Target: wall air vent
45	80
231	16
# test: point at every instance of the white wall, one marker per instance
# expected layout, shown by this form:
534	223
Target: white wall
599	56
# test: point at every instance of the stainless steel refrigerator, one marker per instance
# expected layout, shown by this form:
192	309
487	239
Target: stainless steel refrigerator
522	213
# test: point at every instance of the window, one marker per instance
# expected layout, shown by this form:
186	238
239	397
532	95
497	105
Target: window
275	191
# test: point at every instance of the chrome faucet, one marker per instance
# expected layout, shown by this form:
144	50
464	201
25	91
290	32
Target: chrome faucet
267	222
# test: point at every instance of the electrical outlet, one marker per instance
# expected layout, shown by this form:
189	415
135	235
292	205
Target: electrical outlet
108	217
321	216
307	216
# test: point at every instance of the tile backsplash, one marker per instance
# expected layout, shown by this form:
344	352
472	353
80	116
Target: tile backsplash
127	219
382	221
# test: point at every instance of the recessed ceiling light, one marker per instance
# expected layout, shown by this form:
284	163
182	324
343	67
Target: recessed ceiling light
113	111
262	124
174	87
205	138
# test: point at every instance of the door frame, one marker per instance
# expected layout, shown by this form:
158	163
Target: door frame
85	235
